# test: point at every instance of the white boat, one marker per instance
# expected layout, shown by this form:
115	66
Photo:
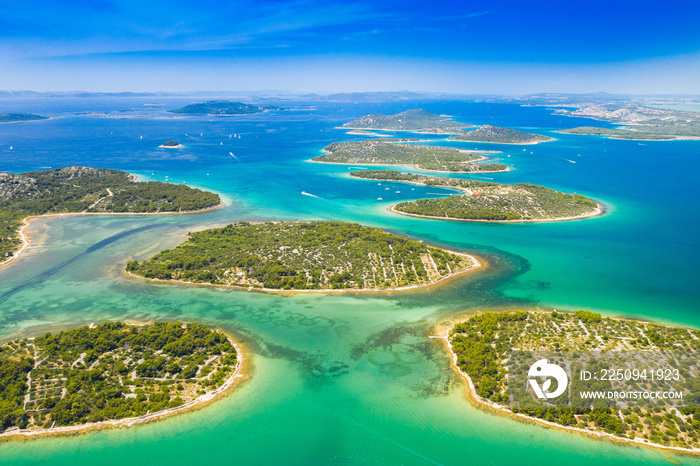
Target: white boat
221	144
10	147
231	154
140	137
380	199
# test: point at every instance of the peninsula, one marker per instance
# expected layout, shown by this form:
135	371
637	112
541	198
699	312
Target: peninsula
415	120
88	191
218	107
398	152
616	133
90	376
303	256
494	351
642	119
16	117
486	201
497	134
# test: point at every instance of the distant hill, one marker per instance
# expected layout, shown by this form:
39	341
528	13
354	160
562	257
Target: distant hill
218	107
488	133
14	117
416	120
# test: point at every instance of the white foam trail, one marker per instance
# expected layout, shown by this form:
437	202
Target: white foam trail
310	195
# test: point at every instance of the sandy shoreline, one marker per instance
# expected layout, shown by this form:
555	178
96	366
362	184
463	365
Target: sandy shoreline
238	376
479	264
179	146
502	410
599	210
26	221
405	130
509	143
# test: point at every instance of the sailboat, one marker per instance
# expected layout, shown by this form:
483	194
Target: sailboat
10	147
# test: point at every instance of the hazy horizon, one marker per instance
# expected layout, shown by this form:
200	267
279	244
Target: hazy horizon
504	48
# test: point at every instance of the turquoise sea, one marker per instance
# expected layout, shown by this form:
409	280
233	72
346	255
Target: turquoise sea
351	378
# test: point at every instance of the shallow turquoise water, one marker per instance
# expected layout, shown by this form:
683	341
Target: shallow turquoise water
347	378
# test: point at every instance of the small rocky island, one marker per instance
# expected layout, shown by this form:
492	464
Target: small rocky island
170	145
497	134
486	201
415	120
496	352
303	256
109	372
87	190
218	107
399	152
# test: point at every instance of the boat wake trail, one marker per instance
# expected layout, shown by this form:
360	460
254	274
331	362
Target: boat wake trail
310	195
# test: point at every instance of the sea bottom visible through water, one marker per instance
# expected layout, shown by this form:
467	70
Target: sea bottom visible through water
348	378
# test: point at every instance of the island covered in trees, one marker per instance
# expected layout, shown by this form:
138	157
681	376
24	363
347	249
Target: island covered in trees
497	134
415	120
170	145
218	107
15	117
487	201
398	152
87	190
496	350
616	133
108	372
303	256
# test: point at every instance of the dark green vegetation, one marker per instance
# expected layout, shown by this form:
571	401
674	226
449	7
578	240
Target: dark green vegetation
218	107
416	120
301	256
83	189
395	152
614	133
171	144
496	134
112	371
487	201
491	346
14	117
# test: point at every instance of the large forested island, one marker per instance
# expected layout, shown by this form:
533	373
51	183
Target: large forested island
15	117
398	152
87	190
218	107
108	372
497	134
486	201
302	256
415	120
615	133
496	350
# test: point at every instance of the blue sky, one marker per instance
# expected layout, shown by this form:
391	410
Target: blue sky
502	47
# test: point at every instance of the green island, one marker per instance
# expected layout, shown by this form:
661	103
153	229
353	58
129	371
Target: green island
170	145
16	117
218	107
109	372
302	256
497	134
397	152
615	133
86	190
487	201
415	120
495	350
